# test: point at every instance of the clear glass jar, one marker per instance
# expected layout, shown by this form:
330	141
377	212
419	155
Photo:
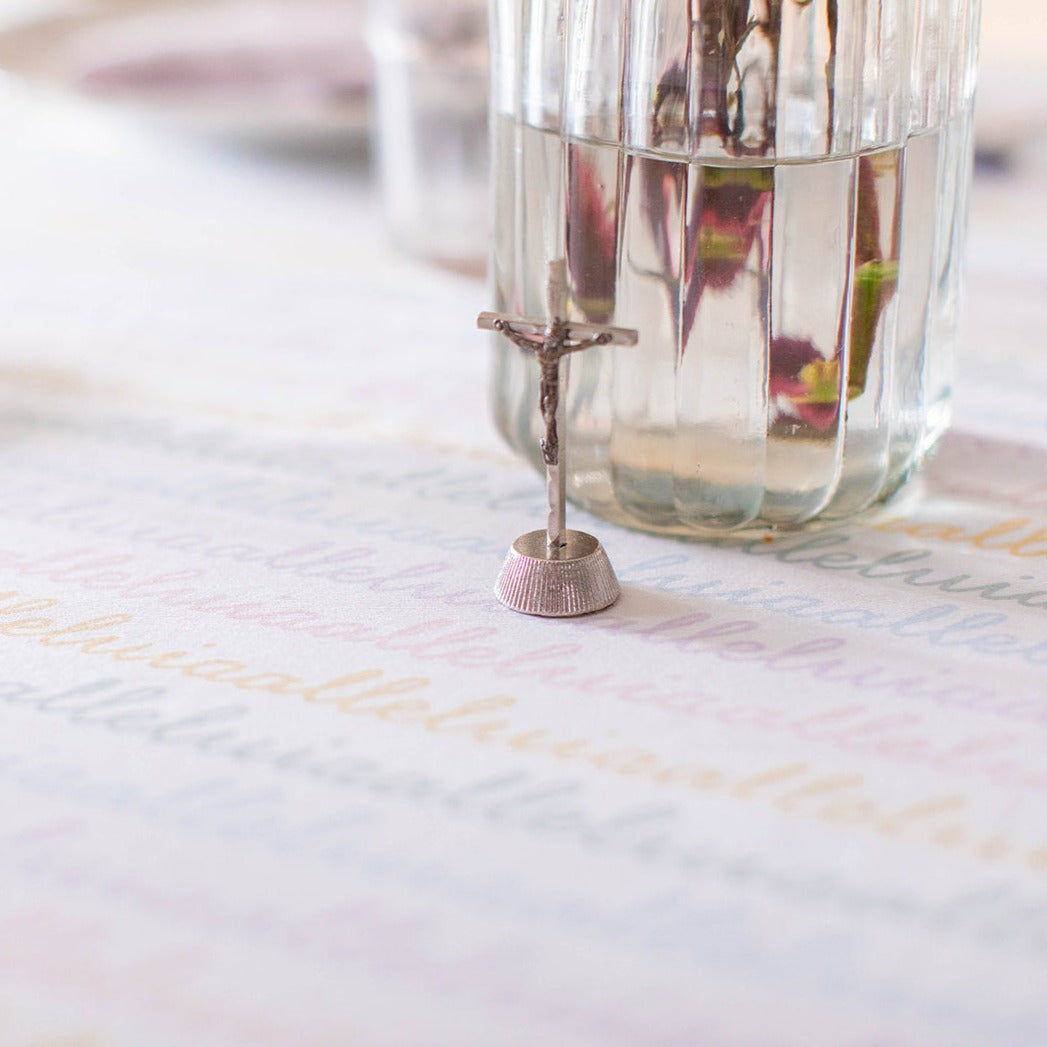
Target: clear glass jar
774	194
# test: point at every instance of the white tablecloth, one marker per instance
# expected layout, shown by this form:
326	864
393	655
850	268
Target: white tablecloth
275	768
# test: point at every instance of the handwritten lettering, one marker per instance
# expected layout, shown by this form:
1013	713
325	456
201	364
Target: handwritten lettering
995	918
805	798
1031	544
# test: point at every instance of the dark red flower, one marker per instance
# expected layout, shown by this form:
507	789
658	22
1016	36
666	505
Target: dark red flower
592	239
803	384
731	209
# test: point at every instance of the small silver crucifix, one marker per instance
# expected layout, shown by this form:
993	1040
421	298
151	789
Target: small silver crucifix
530	582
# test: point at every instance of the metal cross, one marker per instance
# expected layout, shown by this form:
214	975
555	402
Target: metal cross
550	341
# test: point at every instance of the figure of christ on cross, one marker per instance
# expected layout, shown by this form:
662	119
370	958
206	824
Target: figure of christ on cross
550	341
550	346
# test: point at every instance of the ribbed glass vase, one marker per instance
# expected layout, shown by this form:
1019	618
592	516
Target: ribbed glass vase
773	193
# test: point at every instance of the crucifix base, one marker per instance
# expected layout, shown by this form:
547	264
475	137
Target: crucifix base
556	573
580	580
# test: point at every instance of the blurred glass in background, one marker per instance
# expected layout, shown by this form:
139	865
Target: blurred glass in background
430	59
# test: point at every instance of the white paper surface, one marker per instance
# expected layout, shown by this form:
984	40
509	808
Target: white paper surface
276	769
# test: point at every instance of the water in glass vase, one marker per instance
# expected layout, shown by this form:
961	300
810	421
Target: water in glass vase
784	312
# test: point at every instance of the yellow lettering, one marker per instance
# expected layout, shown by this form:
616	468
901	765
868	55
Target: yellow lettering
950	836
527	742
849	812
1038	859
1038	537
26	627
95	645
204	670
86	627
995	848
819	788
893	525
157	662
481	732
312	694
273	683
932	808
1007	527
701	778
942	531
29	605
414	711
626	762
773	777
948	532
569	750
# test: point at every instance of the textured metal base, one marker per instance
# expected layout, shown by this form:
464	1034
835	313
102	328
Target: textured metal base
580	581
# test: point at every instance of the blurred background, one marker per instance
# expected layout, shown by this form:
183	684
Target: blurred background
315	80
308	81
